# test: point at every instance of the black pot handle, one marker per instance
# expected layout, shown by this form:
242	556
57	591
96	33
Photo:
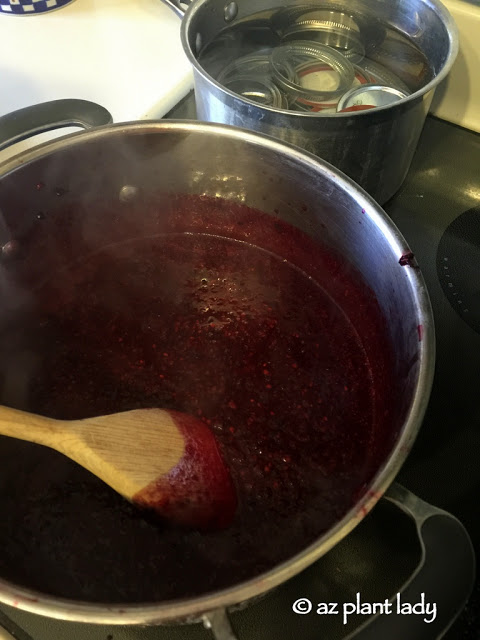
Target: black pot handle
445	574
47	116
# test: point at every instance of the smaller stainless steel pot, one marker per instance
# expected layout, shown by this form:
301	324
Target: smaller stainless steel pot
374	147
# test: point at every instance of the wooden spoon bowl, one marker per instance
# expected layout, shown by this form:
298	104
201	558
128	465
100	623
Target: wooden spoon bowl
164	461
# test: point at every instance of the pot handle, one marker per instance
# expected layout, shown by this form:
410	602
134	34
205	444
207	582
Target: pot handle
445	574
219	624
47	116
179	6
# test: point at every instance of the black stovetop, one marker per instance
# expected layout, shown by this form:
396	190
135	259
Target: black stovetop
438	211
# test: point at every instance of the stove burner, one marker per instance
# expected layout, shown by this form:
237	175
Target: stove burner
458	266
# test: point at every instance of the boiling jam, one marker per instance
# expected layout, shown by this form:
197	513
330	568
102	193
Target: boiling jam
210	308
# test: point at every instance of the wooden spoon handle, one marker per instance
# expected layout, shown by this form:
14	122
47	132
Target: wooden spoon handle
126	450
30	427
161	460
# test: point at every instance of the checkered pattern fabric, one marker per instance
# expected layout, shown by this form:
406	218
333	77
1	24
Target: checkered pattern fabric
30	7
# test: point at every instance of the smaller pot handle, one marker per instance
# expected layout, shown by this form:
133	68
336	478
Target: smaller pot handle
47	116
445	574
179	6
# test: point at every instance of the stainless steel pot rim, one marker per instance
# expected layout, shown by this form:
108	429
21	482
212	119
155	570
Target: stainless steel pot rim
194	608
195	7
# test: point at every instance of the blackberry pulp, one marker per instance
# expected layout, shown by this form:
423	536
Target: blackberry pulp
210	308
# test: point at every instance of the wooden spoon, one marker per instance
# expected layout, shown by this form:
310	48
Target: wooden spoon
165	461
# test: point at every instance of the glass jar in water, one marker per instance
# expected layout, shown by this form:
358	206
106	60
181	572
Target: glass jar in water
305	58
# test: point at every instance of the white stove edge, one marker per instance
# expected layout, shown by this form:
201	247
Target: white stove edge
457	99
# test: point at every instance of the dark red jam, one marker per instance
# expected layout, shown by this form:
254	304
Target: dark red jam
198	491
206	307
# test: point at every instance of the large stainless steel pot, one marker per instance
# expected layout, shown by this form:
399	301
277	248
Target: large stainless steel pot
375	148
309	193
